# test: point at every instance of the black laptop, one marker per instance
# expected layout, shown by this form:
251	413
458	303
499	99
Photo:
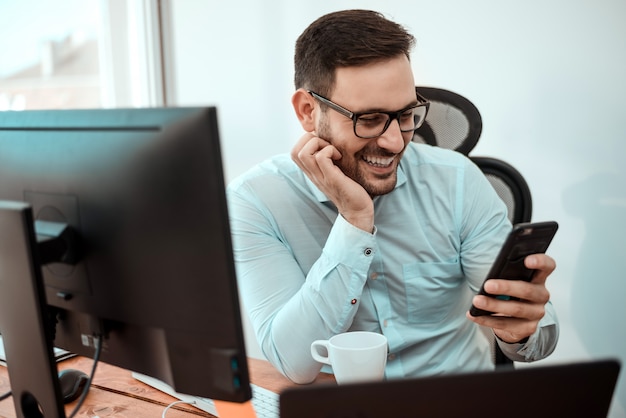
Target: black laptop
566	390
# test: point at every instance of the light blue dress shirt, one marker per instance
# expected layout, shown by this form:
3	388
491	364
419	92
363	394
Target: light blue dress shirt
305	273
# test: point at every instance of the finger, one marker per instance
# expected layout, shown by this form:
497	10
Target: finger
507	328
297	148
540	262
325	158
303	154
511	308
528	291
315	158
543	265
299	144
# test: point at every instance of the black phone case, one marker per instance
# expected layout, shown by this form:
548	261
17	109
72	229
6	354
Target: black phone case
524	239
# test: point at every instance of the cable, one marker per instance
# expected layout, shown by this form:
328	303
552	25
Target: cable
96	358
173	404
5	395
87	386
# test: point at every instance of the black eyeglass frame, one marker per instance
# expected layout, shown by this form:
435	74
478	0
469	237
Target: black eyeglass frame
423	102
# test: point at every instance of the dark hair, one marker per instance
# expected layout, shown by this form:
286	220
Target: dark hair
345	39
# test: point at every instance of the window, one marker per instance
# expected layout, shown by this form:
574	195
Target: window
79	54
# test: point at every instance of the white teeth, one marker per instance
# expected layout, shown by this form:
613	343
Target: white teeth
379	161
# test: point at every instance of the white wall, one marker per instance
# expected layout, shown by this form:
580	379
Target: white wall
549	78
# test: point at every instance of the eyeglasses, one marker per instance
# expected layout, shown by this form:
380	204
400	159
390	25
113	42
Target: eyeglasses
369	125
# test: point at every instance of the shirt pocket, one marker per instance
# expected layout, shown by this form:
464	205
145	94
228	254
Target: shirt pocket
432	290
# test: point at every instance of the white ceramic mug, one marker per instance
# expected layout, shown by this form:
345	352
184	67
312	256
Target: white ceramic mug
357	356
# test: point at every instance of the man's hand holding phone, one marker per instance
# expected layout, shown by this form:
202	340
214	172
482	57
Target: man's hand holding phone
513	297
516	319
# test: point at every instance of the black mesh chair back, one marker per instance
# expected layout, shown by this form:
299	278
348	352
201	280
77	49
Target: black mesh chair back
452	122
510	186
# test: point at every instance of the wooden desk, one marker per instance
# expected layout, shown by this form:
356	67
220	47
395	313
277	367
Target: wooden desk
115	393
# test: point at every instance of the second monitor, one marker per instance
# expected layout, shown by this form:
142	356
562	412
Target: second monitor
129	242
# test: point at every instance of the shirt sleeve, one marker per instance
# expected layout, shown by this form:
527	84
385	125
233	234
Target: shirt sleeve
485	211
288	309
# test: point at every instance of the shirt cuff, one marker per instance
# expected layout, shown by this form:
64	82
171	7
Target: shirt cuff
351	246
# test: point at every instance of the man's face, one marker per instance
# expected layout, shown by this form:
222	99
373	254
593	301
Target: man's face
384	86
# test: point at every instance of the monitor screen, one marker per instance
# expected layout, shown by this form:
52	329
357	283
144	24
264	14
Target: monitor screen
145	257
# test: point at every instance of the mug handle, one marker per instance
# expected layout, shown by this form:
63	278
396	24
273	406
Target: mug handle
315	345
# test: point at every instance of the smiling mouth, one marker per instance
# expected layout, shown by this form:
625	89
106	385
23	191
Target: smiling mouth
381	162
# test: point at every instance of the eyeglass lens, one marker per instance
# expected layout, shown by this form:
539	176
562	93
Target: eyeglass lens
375	124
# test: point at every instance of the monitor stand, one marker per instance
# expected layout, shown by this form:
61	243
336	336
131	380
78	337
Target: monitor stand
24	317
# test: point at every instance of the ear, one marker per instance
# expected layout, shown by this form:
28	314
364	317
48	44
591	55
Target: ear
304	105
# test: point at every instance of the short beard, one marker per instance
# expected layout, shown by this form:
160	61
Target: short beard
350	167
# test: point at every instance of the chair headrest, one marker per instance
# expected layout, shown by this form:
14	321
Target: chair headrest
452	122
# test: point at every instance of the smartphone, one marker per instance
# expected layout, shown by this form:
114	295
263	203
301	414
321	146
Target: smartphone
523	240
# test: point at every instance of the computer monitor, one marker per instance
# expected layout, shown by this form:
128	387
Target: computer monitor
114	222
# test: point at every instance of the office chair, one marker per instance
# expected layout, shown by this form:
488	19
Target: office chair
452	122
510	186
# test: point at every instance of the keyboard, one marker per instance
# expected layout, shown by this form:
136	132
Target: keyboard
264	401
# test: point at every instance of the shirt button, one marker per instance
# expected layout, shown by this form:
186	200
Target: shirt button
353	301
368	252
385	323
374	276
391	357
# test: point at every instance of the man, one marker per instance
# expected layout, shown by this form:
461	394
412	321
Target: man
361	229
